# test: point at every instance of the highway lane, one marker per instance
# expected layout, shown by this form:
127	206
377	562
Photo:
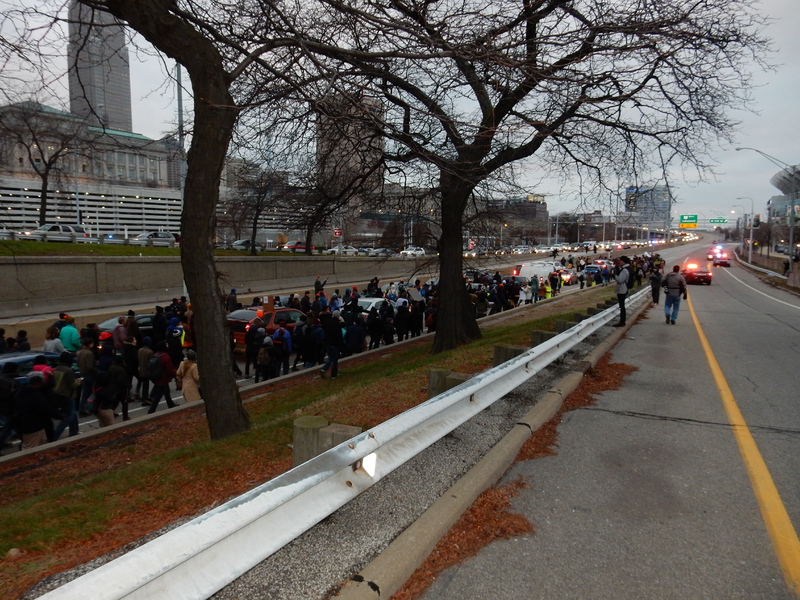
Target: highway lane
649	496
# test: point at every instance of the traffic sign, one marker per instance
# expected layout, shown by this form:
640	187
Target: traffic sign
687	225
718	220
337	232
688	219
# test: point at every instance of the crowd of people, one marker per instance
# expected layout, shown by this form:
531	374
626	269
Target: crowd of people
128	366
94	376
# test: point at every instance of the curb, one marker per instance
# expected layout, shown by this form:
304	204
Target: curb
387	573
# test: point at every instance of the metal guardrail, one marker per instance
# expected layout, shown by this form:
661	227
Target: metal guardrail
200	557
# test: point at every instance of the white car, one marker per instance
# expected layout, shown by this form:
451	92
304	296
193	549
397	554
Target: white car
413	251
154	238
345	251
57	233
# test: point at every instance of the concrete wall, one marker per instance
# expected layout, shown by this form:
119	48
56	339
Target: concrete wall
32	285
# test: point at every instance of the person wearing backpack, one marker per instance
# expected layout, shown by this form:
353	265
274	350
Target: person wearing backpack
263	363
282	341
65	395
105	398
161	372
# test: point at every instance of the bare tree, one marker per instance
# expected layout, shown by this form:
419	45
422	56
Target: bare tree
44	140
593	87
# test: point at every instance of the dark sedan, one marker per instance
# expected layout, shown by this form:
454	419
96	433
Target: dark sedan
145	322
694	273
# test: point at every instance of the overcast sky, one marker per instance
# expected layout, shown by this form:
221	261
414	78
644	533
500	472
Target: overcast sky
773	130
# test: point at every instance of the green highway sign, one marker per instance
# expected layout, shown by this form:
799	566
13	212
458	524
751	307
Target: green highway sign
718	220
688	218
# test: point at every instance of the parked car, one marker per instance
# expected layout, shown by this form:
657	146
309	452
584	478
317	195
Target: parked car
295	246
57	233
241	320
366	304
245	245
345	251
25	360
381	252
154	238
145	322
412	251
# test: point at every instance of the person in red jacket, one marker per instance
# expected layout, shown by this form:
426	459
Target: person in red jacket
161	383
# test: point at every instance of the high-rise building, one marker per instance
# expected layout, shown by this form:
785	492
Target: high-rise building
652	204
99	69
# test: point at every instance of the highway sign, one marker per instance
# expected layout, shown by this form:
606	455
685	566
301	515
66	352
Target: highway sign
687	225
718	220
688	219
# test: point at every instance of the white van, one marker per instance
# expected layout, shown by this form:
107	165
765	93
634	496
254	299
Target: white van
535	270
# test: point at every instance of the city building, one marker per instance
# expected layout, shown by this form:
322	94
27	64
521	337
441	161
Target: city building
99	69
788	182
652	204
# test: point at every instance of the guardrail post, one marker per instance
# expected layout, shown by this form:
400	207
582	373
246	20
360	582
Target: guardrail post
334	434
594	311
562	325
505	352
306	438
578	317
437	377
539	337
455	379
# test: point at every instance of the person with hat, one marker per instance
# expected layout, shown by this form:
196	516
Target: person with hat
69	336
622	277
187	378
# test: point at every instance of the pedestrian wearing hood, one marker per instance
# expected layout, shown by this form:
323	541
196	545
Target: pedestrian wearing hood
282	341
622	277
231	301
175	341
34	412
252	344
187	378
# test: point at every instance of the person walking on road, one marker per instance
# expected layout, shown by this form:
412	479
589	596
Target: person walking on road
622	276
675	287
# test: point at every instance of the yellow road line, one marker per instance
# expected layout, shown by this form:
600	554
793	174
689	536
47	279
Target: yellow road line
779	525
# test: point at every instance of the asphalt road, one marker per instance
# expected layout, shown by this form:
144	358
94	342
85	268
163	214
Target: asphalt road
649	495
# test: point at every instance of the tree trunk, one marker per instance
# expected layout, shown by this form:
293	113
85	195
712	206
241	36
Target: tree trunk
215	116
44	198
213	109
455	319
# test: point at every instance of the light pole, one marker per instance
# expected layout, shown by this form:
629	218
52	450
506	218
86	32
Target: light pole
790	171
740	227
752	215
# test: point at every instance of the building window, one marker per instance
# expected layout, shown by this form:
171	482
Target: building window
152	175
142	174
132	173
120	172
142	160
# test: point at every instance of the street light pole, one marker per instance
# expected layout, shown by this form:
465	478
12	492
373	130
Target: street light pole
741	226
789	169
752	215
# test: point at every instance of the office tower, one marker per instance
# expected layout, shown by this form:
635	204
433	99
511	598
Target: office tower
99	69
